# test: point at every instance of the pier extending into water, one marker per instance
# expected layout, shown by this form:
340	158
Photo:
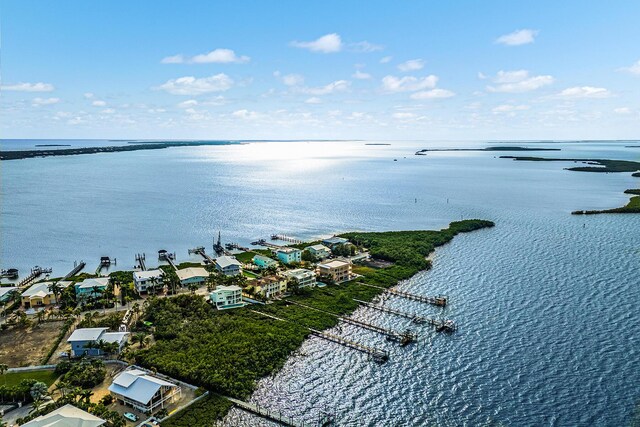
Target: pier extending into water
285	238
105	262
403	337
440	301
412	316
140	258
267	413
200	251
169	257
77	268
35	273
378	355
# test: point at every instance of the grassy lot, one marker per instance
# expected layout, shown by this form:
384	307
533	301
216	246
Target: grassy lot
14	378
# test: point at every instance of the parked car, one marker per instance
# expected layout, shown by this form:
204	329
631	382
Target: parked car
130	416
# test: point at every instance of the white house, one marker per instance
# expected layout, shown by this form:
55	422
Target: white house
228	265
227	297
191	275
80	339
304	277
144	392
66	416
289	255
142	280
319	251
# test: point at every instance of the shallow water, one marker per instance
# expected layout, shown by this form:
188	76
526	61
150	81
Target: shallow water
546	301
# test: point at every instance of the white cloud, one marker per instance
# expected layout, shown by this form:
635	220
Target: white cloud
245	114
633	69
188	104
217	56
292	79
403	116
190	85
364	46
360	75
329	43
29	87
89	95
518	37
518	81
508	108
585	92
411	65
408	83
175	59
108	111
313	100
433	94
44	101
337	86
622	110
386	59
98	103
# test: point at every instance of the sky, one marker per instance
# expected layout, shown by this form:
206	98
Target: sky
419	70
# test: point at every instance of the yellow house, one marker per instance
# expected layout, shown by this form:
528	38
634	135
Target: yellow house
269	287
39	295
338	270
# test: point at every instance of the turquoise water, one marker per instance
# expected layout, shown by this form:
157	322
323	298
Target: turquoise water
546	301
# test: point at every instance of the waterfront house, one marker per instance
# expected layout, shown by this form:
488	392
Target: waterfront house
83	340
40	294
192	275
270	286
319	251
228	265
143	280
91	288
66	416
5	293
289	255
225	297
338	270
264	262
335	240
305	278
144	392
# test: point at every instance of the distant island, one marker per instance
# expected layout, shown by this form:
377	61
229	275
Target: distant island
507	148
632	207
375	143
53	145
28	154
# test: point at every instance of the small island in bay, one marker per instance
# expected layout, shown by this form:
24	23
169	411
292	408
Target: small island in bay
596	165
495	148
53	145
632	207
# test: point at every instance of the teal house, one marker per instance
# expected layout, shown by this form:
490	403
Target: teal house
91	288
264	262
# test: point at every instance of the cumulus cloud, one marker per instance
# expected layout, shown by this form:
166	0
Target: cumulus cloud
313	100
190	85
217	56
44	101
408	83
509	108
633	69
29	87
386	59
361	75
585	92
88	95
518	81
433	94
98	103
245	114
518	37
411	65
290	79
337	86
188	103
622	110
329	43
365	46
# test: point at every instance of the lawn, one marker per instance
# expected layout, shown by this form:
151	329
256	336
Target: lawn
14	378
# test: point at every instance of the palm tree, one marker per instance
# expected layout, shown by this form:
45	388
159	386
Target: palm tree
3	370
40	316
55	290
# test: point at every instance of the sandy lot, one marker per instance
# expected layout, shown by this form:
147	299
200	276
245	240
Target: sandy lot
27	346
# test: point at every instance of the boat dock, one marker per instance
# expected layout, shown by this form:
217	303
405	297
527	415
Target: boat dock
378	355
285	238
200	251
105	262
412	316
403	337
263	242
77	268
35	273
440	301
267	413
9	273
140	262
169	257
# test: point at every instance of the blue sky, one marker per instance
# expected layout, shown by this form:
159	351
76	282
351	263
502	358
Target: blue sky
331	69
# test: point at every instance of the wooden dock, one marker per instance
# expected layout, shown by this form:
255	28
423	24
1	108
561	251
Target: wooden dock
263	242
267	413
378	355
403	337
77	268
440	301
412	316
285	238
200	251
140	258
169	257
35	273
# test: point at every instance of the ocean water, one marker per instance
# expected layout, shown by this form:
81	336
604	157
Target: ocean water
546	302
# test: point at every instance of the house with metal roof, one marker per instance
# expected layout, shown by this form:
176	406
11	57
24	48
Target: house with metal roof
305	278
228	265
264	262
224	297
82	341
66	416
289	255
335	240
5	293
143	280
319	251
91	287
39	294
142	391
192	275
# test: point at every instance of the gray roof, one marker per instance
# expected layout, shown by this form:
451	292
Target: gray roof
5	290
66	416
335	240
137	385
42	289
147	274
87	334
226	261
95	282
